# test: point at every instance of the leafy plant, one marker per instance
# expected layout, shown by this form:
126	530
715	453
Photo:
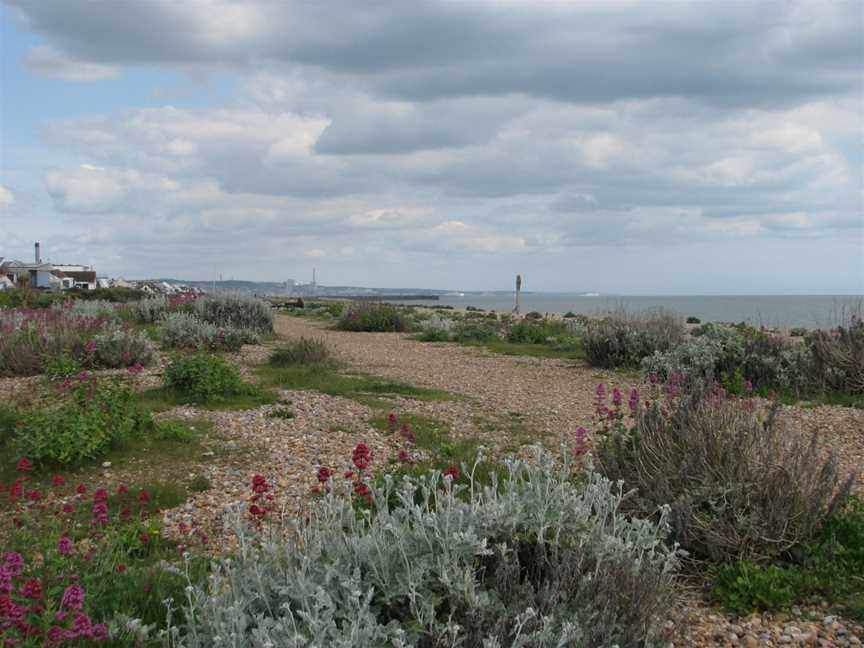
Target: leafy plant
693	320
368	316
533	561
235	311
121	347
302	351
738	486
623	340
97	415
185	331
60	366
838	357
202	377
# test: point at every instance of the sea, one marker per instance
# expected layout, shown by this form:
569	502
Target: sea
776	311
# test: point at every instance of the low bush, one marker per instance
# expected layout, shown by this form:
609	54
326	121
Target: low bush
797	332
828	568
79	559
838	357
623	340
765	360
372	317
304	351
150	310
532	561
693	320
235	311
536	331
475	330
433	335
185	331
203	378
97	415
738	486
121	347
61	366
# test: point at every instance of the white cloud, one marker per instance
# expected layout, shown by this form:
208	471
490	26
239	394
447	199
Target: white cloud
7	198
46	61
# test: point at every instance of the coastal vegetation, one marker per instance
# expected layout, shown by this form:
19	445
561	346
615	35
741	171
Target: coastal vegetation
578	538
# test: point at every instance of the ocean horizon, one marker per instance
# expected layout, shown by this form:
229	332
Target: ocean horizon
811	311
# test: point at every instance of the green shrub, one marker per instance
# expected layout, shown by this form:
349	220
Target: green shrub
533	561
9	418
99	414
534	315
622	340
738	486
61	365
828	568
235	311
797	332
150	310
764	360
528	331
119	347
372	317
304	351
693	320
476	330
281	413
838	357
433	335
203	378
172	431
185	331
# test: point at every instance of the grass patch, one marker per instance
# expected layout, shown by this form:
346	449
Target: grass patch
281	413
813	399
528	349
162	399
828	570
330	380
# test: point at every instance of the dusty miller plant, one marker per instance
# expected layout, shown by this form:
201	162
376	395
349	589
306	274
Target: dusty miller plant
534	561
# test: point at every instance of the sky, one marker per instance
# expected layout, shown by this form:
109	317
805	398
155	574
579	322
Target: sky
634	148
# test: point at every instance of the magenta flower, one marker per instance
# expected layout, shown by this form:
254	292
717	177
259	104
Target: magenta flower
324	474
24	465
582	441
14	562
616	397
633	403
600	392
32	589
65	546
73	597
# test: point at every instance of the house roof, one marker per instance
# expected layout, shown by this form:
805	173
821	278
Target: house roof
89	277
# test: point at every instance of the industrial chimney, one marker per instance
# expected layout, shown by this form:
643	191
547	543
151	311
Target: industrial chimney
38	260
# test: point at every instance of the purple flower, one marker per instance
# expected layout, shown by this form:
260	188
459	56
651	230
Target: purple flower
14	563
600	392
616	397
73	597
65	546
582	442
652	378
634	400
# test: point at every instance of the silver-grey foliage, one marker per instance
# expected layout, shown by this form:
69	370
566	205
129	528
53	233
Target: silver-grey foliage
235	311
535	561
185	331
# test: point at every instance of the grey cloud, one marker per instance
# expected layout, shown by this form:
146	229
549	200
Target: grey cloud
738	54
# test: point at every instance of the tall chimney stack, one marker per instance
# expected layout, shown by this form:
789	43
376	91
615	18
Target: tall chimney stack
38	260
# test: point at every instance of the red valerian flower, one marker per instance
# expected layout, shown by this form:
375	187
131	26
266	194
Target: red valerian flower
32	589
57	480
324	474
73	597
101	495
68	508
17	488
407	434
452	472
361	488
583	442
121	568
259	484
143	497
82	488
144	537
404	456
122	489
361	456
65	546
24	465
392	421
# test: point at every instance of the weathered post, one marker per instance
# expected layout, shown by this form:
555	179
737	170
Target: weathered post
518	293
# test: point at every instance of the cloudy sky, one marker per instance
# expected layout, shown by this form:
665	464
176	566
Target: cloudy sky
638	148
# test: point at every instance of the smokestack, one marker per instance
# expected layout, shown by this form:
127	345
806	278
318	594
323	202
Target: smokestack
38	260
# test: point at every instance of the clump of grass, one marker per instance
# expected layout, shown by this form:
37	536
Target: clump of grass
199	484
281	413
303	351
202	377
371	317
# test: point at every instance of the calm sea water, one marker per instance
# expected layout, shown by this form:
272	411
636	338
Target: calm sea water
770	310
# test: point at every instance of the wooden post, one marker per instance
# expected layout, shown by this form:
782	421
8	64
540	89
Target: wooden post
518	293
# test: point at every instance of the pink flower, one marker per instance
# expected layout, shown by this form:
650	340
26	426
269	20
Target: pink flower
73	597
57	480
404	456
65	546
361	456
24	465
324	474
90	346
407	434
82	488
452	472
135	369
392	421
633	403
14	563
600	392
122	489
360	488
143	497
32	589
582	442
616	397
100	512
101	495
